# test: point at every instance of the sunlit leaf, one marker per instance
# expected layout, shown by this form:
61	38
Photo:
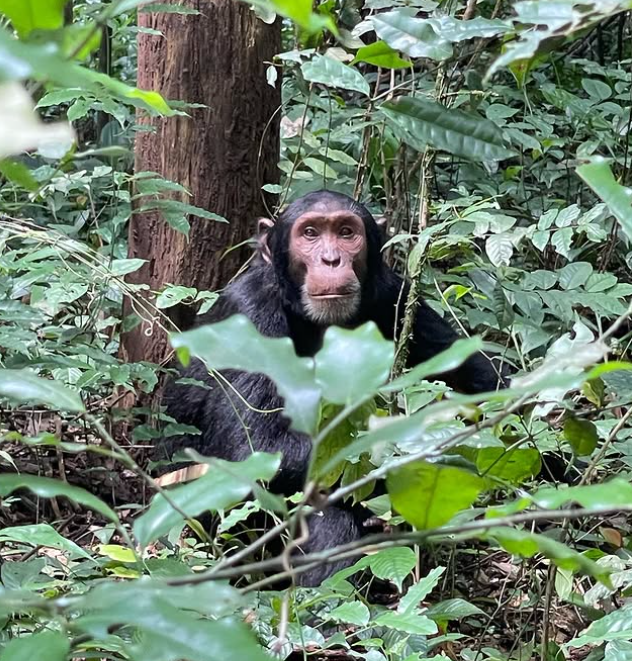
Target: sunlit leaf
380	54
429	495
332	73
29	15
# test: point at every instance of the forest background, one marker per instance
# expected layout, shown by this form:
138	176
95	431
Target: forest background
139	143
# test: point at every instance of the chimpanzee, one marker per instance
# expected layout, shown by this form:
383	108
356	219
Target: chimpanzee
319	264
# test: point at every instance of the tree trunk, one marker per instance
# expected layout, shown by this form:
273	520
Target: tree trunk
218	59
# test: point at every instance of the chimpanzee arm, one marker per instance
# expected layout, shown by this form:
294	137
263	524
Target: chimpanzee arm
431	335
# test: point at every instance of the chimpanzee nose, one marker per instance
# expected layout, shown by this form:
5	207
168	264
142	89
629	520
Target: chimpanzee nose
331	260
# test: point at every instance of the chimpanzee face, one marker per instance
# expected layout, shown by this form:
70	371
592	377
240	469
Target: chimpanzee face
328	262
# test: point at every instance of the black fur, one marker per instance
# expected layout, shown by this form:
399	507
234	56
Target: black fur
267	295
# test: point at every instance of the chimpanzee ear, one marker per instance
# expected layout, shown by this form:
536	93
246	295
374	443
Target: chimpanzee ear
264	225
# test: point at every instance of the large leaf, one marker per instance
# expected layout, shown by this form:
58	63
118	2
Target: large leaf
414	36
49	645
421	124
613	626
618	199
167	621
429	495
46	487
19	61
40	534
527	544
330	72
236	344
29	15
380	54
353	363
513	465
225	484
25	387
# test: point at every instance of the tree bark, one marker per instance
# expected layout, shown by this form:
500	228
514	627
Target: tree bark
217	59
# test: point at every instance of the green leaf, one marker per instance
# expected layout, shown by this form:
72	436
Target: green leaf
25	387
353	612
614	493
514	466
393	564
171	622
414	36
613	626
330	72
29	15
574	275
446	361
353	363
429	495
419	591
452	609
526	544
408	622
41	534
18	174
599	177
421	124
380	54
300	12
236	344
225	484
49	645
45	487
581	435
499	249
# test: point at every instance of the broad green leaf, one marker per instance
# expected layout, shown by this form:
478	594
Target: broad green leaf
353	612
117	552
29	15
613	626
25	387
499	249
332	73
614	493
419	591
394	564
452	609
574	275
380	54
618	650
514	466
421	124
171	622
236	344
49	645
527	544
446	361
41	534
414	36
581	435
618	198
18	174
225	484
46	487
353	363
45	62
300	12
429	495
407	622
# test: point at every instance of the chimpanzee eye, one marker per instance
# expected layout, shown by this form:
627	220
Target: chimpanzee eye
310	232
346	232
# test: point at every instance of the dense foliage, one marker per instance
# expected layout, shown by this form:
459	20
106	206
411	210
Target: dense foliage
495	139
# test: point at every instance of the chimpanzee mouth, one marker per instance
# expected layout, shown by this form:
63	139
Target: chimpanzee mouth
331	309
